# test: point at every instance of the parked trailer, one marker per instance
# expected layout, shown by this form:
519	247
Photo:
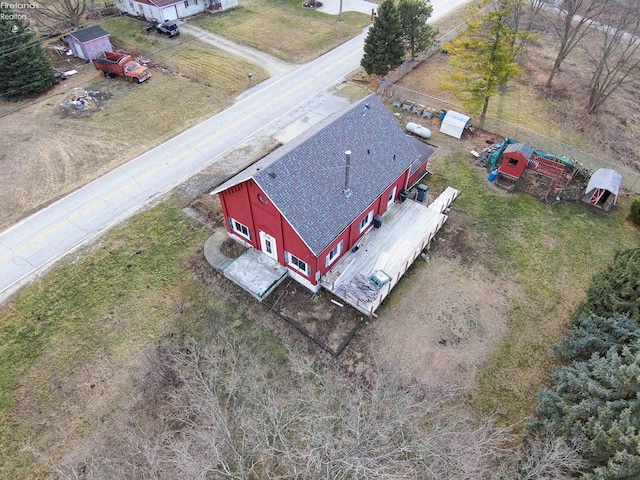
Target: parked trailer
112	64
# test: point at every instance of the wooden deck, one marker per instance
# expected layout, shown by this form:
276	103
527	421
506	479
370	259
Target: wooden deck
406	230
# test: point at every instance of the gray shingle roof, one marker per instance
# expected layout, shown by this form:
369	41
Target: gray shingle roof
524	148
305	178
89	33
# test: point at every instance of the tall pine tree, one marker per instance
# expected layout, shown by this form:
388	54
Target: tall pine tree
418	34
595	405
384	47
24	66
617	290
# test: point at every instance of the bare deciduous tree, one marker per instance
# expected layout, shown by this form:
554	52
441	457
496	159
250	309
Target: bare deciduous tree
576	19
241	411
59	15
617	55
546	457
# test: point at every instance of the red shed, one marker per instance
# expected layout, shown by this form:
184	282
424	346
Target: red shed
514	160
311	200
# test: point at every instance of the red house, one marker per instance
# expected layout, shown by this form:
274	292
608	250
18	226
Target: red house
311	200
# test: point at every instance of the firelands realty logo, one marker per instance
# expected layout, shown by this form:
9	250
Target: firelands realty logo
13	7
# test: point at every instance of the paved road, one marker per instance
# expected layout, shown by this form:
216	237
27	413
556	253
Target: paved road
28	248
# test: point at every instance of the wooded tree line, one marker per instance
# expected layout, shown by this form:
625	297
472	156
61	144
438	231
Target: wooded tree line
488	53
236	407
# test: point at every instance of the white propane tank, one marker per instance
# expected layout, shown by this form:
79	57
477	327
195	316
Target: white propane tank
419	130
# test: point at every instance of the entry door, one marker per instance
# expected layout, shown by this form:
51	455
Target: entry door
268	245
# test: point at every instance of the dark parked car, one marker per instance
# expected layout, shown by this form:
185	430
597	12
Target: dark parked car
169	28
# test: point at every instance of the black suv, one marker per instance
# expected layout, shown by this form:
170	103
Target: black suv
169	28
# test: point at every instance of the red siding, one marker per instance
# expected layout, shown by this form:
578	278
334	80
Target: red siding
322	259
248	204
266	217
235	204
294	245
417	173
513	164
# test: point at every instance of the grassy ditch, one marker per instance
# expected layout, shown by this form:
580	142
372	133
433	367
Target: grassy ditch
70	341
285	29
551	252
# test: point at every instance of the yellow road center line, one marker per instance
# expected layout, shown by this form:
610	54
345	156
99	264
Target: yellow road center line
171	161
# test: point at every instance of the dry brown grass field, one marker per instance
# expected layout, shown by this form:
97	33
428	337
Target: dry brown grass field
612	133
285	29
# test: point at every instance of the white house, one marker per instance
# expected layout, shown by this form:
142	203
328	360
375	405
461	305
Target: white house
162	10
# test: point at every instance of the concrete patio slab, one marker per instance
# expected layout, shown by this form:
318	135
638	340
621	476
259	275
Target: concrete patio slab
254	271
257	273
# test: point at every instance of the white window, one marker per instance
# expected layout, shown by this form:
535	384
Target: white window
392	197
296	263
241	229
365	222
334	254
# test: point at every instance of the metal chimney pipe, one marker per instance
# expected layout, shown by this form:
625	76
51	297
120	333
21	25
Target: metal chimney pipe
347	175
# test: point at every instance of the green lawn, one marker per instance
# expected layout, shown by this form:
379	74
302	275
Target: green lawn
70	342
285	29
551	252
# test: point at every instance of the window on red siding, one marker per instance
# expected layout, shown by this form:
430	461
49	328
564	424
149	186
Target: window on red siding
365	222
334	254
296	263
241	229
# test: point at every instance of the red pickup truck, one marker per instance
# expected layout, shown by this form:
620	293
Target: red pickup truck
113	64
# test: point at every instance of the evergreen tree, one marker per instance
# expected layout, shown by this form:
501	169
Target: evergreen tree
417	33
617	290
595	404
594	334
484	56
24	66
384	47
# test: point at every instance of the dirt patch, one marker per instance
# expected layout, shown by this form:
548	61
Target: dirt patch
330	325
232	249
441	322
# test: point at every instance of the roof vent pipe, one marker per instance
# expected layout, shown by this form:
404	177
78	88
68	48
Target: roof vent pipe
347	175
